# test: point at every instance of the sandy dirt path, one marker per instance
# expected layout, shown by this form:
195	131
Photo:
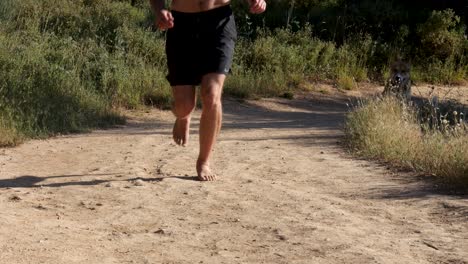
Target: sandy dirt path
288	194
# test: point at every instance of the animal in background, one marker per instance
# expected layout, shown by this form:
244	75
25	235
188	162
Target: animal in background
399	82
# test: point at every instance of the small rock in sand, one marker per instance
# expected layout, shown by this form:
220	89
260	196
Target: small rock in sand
161	231
15	198
282	237
40	207
139	182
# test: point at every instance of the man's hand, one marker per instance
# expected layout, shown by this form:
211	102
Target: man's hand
164	19
257	6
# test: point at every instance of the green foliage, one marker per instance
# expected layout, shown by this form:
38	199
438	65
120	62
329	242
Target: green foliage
278	61
441	35
73	63
424	32
66	65
42	97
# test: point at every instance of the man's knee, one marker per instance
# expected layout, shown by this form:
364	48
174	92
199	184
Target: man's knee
183	110
211	96
212	87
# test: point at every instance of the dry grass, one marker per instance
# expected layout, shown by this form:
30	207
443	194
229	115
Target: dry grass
389	130
346	82
8	135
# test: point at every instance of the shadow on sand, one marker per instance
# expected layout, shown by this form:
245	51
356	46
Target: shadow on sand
28	181
322	117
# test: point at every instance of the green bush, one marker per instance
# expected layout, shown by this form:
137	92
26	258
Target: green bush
42	97
276	62
73	63
441	35
66	65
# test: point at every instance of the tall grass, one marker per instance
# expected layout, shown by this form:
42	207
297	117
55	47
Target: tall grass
277	61
389	130
68	65
8	135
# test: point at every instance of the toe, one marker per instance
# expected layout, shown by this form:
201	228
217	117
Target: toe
210	177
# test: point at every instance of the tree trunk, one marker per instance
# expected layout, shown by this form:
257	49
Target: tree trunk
290	12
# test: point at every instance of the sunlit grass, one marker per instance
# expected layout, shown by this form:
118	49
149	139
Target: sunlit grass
389	130
66	65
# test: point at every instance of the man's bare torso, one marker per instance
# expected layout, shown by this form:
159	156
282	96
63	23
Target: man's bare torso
193	6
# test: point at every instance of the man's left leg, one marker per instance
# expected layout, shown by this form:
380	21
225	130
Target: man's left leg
210	122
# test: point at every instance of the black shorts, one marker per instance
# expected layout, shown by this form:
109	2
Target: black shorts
200	43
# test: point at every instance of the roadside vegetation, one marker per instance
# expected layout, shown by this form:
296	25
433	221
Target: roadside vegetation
424	138
68	66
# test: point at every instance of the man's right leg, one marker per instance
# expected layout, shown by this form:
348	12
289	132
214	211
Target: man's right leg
184	103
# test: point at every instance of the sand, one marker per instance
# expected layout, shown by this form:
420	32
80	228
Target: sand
288	193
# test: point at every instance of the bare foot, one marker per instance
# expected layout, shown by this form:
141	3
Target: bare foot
204	172
180	132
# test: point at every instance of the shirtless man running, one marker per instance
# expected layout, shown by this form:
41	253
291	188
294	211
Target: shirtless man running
199	47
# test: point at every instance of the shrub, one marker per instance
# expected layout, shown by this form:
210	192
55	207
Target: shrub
441	35
41	97
74	62
276	62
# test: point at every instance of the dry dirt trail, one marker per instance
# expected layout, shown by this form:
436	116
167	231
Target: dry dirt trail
288	194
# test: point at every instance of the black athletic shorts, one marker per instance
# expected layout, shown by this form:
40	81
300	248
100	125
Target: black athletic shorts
200	43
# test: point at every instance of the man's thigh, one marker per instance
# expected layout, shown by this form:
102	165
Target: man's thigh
183	95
